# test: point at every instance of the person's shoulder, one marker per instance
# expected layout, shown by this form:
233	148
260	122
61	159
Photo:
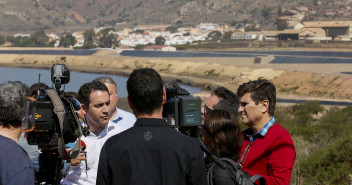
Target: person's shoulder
278	129
182	138
279	133
125	114
9	144
13	153
118	138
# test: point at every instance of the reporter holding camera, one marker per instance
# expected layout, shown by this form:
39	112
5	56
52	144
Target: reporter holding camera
15	165
151	152
95	100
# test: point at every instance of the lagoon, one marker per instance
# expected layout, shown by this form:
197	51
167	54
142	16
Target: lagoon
31	76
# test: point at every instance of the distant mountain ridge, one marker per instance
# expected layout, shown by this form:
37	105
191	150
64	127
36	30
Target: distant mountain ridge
74	15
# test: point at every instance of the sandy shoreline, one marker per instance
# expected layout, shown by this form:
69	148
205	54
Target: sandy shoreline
293	81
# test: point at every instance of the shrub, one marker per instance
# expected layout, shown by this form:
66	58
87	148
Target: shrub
330	165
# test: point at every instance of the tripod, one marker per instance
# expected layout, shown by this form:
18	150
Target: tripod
50	164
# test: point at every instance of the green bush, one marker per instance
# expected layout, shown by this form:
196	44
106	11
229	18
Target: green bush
338	121
323	144
329	165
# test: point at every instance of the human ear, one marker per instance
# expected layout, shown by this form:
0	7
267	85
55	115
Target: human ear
84	108
130	103
265	107
164	96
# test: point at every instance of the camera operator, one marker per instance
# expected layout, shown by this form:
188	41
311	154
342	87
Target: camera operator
223	99
150	152
95	101
15	165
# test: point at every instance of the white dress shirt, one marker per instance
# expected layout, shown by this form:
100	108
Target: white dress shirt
78	174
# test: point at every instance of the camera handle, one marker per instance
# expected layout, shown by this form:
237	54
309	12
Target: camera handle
211	155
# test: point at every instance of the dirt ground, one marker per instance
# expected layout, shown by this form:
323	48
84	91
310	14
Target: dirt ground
308	81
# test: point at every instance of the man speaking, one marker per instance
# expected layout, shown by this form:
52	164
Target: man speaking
151	152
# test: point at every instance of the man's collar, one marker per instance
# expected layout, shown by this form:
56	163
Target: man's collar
117	117
262	132
151	122
266	127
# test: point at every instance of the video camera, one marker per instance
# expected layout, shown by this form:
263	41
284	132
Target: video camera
183	111
52	121
46	124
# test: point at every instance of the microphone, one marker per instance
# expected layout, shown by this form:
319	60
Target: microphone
83	148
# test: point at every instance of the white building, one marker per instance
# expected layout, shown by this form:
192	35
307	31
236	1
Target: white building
22	35
79	36
244	35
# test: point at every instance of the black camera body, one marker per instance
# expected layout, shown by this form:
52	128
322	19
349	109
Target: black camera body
45	134
47	126
183	111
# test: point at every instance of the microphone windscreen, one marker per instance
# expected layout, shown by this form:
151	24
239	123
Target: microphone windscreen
83	145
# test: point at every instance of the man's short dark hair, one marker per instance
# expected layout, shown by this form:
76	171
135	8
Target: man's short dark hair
35	87
229	101
145	90
12	103
261	90
87	88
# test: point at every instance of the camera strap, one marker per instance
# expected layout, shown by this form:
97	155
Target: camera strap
59	110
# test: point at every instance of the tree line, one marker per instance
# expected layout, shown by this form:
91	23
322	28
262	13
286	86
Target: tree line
104	38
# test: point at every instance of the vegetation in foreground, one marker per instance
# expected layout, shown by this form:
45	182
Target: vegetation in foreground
323	141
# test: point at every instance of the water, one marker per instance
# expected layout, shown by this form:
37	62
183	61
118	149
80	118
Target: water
31	76
83	52
281	57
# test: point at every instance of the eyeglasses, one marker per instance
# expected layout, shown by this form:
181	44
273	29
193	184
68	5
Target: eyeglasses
206	108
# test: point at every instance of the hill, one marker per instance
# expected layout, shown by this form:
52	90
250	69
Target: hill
73	15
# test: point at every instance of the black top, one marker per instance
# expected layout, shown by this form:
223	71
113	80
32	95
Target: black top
221	176
151	153
15	166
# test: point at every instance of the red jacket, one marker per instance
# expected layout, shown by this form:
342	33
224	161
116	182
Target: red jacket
271	156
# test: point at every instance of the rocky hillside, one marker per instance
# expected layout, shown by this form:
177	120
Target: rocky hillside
72	15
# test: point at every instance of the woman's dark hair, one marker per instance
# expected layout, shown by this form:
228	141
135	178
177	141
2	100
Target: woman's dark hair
224	134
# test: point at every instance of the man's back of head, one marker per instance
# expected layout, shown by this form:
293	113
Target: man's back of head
37	86
12	103
145	90
228	100
15	165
